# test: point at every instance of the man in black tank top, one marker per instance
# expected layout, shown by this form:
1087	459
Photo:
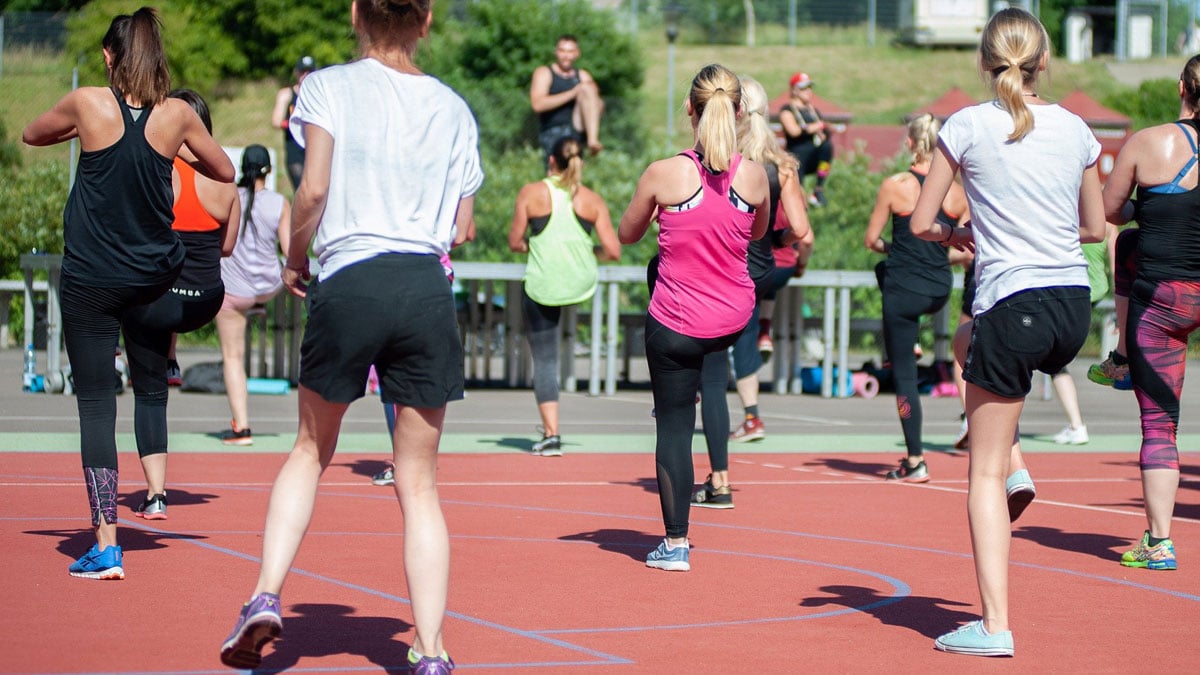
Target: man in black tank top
566	99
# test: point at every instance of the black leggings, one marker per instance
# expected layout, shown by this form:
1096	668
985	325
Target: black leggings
148	329
92	322
675	363
902	311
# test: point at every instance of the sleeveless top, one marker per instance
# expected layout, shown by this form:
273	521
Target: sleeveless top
915	264
562	266
704	289
760	258
293	151
117	220
803	117
200	233
1169	244
254	267
560	116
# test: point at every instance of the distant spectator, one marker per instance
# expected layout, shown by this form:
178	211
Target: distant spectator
285	102
566	100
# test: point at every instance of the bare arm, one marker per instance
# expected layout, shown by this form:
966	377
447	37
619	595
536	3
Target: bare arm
792	201
56	125
211	160
873	239
609	245
232	223
310	205
937	183
1091	207
540	98
520	221
791	125
283	99
464	222
1119	185
285	228
642	207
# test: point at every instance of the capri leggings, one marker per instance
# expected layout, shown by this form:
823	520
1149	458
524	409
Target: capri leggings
151	326
675	361
902	311
1126	255
1162	315
542	323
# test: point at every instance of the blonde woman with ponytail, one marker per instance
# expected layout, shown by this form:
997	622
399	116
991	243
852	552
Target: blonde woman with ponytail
710	204
914	280
1029	170
553	222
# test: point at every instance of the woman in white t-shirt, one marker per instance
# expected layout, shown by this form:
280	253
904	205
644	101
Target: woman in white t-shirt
391	166
252	277
1029	170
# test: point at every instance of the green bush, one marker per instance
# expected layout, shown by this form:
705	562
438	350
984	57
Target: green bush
31	206
1154	102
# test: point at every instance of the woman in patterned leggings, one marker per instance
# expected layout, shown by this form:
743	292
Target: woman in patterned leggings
1164	301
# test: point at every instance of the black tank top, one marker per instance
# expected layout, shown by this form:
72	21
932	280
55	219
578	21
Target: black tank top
1169	244
915	264
117	221
560	116
760	258
803	118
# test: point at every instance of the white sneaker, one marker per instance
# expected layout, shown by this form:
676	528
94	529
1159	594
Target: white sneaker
1069	436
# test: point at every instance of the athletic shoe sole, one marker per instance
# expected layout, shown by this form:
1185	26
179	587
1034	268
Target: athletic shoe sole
670	565
973	651
713	505
151	516
112	573
244	650
238	441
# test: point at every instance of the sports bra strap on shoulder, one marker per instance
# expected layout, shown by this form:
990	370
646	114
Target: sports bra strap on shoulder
1183	126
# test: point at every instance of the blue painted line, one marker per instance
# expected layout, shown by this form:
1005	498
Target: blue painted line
604	659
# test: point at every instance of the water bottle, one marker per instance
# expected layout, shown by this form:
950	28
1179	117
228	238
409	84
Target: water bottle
30	373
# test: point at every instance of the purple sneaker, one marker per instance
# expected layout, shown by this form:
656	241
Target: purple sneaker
258	624
429	665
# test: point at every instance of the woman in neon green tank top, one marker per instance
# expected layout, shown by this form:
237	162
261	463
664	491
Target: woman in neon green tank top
553	222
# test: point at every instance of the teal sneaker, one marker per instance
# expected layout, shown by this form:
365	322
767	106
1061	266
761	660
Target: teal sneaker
97	564
1021	491
1160	557
672	559
973	640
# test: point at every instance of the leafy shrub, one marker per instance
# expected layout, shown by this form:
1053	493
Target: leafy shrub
31	206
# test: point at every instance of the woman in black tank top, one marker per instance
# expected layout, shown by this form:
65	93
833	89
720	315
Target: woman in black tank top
120	251
914	279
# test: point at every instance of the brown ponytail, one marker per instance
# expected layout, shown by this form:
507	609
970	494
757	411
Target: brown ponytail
139	64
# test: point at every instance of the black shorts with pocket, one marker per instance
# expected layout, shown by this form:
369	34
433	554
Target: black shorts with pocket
1037	329
394	311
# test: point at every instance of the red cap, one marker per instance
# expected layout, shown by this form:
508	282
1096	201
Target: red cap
801	80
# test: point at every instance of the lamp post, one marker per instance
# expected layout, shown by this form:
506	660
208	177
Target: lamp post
671	13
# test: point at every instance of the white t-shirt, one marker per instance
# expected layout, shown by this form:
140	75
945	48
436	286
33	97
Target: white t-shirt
405	151
1024	197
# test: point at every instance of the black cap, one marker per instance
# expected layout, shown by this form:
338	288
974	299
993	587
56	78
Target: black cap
306	64
256	161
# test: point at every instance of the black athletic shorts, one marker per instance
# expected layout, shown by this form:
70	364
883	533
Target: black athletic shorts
395	312
1038	329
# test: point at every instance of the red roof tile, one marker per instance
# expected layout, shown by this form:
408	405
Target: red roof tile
1092	112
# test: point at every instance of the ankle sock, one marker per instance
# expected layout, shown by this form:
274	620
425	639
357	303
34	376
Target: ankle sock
751	411
1152	541
1119	359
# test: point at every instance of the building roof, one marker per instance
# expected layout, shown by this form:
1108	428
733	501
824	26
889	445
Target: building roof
829	110
1092	112
947	104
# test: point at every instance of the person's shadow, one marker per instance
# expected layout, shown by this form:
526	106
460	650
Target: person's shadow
634	545
848	466
1100	545
367	467
74	543
930	617
319	629
649	484
175	497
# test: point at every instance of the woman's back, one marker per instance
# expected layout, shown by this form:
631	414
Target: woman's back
1168	205
253	268
1023	196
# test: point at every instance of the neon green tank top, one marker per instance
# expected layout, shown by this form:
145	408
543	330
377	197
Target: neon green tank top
562	265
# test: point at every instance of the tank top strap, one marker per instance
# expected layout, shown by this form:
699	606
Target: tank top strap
127	111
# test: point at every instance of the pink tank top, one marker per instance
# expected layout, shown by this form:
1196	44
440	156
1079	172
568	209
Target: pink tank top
704	288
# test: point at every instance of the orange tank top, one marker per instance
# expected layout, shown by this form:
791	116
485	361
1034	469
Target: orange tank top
190	215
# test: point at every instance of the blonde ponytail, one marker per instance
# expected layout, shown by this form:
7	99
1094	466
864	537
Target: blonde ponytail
755	139
716	96
1011	51
923	134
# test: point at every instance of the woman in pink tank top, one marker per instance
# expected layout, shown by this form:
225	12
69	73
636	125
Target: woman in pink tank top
709	203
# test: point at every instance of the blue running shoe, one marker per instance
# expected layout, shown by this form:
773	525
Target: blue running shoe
97	564
429	665
1020	490
972	639
672	559
258	624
